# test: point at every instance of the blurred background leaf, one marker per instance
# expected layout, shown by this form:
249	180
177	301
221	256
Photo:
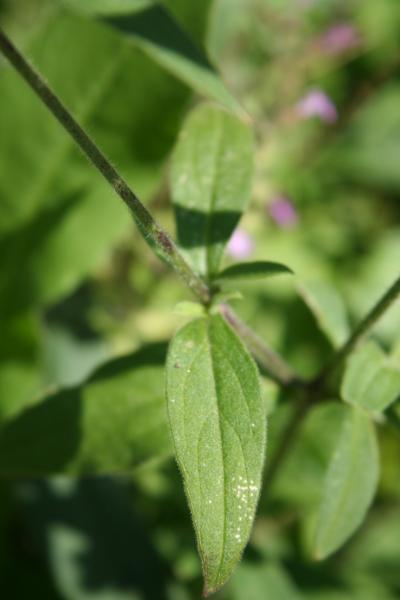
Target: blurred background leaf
112	423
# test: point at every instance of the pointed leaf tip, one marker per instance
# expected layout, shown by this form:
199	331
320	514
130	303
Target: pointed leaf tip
253	270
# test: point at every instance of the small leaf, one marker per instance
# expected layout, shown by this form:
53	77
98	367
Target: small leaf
350	483
211	179
253	270
112	423
370	381
189	309
218	425
328	308
225	296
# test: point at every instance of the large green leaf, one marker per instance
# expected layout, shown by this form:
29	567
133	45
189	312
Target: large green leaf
218	425
153	28
327	306
58	218
350	483
370	380
211	179
113	423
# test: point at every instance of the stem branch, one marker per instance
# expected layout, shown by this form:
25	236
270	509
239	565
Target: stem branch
313	391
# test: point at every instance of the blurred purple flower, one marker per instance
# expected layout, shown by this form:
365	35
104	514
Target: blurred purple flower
317	104
241	244
283	212
339	38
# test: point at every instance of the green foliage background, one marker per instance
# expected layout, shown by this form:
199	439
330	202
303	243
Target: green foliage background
79	288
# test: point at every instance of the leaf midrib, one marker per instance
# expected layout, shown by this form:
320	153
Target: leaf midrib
213	196
224	529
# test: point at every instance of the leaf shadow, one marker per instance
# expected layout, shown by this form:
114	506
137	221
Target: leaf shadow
194	227
43	438
115	555
152	26
19	252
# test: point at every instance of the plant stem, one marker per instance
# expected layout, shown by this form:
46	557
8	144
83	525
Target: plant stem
152	232
267	358
392	294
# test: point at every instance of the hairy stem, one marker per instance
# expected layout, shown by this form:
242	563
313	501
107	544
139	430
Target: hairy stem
154	235
268	359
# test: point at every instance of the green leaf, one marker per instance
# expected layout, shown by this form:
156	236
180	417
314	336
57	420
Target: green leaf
20	363
19	382
211	177
189	309
370	381
218	424
356	147
50	197
253	580
111	424
350	483
193	16
107	7
252	270
328	308
153	28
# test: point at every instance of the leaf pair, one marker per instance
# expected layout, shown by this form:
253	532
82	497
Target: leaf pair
370	384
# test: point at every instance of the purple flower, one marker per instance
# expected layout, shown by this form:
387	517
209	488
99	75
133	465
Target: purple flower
240	245
282	211
317	104
339	38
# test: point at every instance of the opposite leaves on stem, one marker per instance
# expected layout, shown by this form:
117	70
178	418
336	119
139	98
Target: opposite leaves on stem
218	423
